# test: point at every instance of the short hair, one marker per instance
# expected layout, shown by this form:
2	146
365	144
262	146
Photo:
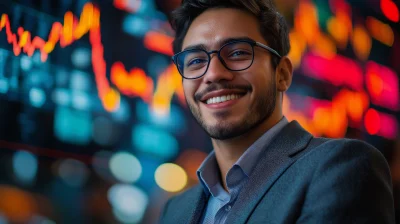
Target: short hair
273	26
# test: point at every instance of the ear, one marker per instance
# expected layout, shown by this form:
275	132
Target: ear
284	73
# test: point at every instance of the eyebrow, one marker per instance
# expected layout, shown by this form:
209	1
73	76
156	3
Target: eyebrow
219	43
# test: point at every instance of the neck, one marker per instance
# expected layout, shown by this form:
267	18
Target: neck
228	151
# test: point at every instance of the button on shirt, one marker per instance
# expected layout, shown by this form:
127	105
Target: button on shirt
220	201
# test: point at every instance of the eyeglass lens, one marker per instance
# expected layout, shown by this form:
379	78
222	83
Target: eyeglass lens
235	56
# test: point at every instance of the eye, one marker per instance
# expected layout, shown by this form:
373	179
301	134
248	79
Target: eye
239	53
196	61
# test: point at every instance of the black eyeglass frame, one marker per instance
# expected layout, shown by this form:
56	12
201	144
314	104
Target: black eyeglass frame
251	42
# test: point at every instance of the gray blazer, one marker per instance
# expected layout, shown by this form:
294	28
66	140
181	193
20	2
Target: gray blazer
303	179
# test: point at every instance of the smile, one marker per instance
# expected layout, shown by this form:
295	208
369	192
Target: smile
221	99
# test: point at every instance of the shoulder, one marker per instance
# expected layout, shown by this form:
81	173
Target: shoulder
343	148
344	159
349	182
347	159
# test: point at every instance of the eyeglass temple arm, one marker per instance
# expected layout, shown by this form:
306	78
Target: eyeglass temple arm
268	49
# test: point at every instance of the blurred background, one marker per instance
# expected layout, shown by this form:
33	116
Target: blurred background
93	122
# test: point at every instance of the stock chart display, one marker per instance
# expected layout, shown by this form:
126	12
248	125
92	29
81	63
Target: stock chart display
93	121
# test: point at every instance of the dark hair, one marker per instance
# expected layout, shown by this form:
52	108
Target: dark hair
273	26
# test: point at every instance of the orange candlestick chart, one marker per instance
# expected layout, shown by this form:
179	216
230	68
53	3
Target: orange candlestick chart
133	83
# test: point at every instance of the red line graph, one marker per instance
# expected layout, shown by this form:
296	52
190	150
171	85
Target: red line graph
134	83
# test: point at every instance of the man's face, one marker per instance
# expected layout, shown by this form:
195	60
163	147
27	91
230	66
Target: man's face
251	93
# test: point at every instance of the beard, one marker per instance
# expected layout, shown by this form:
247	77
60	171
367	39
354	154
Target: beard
258	112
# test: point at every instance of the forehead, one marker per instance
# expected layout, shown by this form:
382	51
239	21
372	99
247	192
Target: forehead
215	25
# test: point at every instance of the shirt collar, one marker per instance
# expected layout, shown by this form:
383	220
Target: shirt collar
249	158
208	172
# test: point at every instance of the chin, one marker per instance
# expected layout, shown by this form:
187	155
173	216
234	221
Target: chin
225	130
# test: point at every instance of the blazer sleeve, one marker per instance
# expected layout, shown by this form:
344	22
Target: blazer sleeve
351	184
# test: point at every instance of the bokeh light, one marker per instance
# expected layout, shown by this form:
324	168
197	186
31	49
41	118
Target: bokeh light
125	167
73	126
390	10
80	100
380	31
123	113
190	160
26	63
73	172
81	57
25	166
103	131
135	25
17	205
37	97
79	81
128	202
372	122
174	121
100	163
171	177
154	141
3	86
61	96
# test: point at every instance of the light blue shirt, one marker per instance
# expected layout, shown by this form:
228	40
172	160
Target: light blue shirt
220	202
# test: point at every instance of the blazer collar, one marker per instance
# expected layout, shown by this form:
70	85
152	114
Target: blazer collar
189	206
276	158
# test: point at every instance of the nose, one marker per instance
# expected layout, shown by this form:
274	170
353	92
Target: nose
217	72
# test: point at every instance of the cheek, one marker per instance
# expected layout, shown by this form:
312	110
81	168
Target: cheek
189	89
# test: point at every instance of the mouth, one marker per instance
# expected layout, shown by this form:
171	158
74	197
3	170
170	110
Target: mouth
223	98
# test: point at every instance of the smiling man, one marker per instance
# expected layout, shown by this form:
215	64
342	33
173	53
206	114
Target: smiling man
232	55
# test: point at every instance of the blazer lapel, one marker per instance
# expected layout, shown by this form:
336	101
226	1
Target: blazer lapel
275	160
194	201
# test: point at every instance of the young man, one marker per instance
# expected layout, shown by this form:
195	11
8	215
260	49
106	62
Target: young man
232	55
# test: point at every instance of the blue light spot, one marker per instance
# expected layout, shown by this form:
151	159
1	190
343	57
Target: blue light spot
129	202
25	166
154	141
174	122
123	113
73	126
125	167
79	81
61	97
3	85
26	63
156	65
37	97
80	100
135	25
146	8
81	57
62	78
73	172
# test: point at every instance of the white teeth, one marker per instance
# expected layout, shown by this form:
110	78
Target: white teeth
220	99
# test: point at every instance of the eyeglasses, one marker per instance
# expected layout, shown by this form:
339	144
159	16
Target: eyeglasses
235	56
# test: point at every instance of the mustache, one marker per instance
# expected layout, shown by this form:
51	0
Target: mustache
219	86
